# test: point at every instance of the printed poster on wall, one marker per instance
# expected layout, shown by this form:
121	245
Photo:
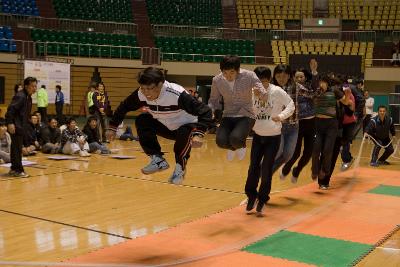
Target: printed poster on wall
50	74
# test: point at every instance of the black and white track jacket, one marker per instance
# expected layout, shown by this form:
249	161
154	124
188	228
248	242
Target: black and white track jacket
174	107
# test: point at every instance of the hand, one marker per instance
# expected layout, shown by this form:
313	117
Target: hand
313	65
11	128
197	141
110	135
101	110
257	92
276	118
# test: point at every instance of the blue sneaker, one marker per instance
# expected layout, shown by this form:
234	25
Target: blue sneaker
178	175
157	163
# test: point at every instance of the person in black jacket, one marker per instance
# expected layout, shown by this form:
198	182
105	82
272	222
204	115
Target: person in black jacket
17	118
379	128
51	137
92	132
172	113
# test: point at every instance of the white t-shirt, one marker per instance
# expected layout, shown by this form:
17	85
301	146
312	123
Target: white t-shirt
279	103
369	106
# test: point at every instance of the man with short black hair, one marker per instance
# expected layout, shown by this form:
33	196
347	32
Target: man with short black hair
379	128
17	118
235	86
172	113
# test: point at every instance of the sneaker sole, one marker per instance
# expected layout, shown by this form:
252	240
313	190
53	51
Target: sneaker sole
159	170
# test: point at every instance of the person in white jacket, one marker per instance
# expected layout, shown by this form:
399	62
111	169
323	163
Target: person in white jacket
271	109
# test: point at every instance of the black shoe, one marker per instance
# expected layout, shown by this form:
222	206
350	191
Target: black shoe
383	162
251	202
260	209
323	187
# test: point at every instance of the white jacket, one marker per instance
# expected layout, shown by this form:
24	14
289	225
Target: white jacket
279	103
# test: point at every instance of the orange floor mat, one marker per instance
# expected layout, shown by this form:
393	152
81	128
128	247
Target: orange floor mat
344	212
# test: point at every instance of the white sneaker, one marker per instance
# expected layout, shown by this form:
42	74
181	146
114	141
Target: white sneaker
87	154
230	155
82	153
241	153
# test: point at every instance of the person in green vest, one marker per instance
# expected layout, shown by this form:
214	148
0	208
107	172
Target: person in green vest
42	103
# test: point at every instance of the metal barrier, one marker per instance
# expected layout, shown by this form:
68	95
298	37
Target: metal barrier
203	32
22	21
387	62
30	49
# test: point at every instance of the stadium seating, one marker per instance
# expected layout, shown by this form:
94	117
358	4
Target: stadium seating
20	7
185	12
281	50
85	44
103	10
204	49
7	44
271	14
371	15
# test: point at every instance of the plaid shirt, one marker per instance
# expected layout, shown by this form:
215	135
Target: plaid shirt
71	136
237	101
296	90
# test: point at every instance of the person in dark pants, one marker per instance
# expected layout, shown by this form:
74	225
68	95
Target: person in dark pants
326	129
17	118
172	113
101	102
271	110
235	86
306	122
379	128
59	102
369	109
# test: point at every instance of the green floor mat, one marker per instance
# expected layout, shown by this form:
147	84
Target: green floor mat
386	190
310	249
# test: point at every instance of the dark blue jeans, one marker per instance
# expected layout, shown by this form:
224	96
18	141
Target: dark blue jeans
233	131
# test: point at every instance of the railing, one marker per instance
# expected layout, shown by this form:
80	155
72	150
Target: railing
22	21
32	49
260	34
216	58
202	32
379	62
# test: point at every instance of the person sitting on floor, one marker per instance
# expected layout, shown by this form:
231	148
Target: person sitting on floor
30	141
5	142
73	141
51	138
92	132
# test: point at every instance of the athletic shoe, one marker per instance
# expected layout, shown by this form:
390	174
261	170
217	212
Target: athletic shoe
323	187
241	153
12	173
294	178
21	175
374	164
251	203
383	162
157	163
230	155
346	165
178	175
282	176
260	209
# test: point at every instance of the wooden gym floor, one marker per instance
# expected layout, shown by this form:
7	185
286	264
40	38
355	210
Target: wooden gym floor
70	208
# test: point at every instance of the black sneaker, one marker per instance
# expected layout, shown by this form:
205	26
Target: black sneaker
251	203
260	209
323	187
20	174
